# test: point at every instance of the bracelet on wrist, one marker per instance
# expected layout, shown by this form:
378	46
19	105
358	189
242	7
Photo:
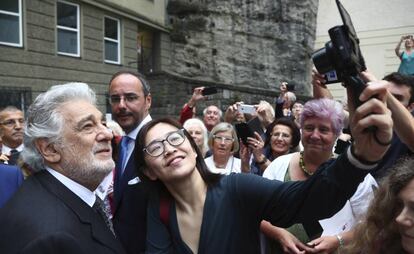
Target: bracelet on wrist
262	161
360	159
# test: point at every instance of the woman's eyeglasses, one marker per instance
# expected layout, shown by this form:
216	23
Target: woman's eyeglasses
157	147
223	139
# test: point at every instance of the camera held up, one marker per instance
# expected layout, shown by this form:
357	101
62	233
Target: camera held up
341	59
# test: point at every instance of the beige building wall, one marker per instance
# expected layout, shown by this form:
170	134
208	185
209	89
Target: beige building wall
379	25
149	12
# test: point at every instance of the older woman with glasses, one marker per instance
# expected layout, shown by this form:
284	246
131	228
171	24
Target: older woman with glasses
192	210
321	123
223	143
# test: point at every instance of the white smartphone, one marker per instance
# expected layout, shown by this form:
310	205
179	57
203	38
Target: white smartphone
247	109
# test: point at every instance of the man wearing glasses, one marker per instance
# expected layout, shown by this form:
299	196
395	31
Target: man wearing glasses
11	131
130	99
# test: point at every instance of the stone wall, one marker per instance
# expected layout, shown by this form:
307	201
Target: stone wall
170	92
244	43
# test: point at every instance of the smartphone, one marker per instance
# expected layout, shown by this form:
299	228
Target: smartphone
256	126
243	132
247	109
290	87
209	90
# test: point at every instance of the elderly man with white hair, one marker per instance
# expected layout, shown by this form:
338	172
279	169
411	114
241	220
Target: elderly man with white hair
69	148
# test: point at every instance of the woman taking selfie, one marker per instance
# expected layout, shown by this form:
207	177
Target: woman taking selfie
210	213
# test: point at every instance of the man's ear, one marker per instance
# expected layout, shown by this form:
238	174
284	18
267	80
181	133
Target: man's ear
148	99
47	150
149	174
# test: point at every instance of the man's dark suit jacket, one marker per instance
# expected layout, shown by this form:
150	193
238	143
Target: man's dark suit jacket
130	208
11	178
44	216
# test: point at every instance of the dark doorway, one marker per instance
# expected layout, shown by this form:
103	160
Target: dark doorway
20	97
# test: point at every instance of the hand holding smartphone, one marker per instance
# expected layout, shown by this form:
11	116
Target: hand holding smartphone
247	109
290	87
209	91
243	132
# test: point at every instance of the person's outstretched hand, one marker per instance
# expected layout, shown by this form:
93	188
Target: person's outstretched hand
370	145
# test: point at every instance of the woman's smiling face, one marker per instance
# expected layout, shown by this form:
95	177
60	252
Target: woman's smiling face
176	161
280	139
318	135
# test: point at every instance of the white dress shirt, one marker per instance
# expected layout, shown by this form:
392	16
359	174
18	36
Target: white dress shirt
6	150
133	135
81	191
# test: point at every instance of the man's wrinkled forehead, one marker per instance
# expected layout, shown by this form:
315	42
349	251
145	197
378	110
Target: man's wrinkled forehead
11	114
76	111
212	109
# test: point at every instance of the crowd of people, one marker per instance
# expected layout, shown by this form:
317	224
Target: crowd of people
72	182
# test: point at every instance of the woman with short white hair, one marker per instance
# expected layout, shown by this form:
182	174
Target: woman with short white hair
198	132
223	143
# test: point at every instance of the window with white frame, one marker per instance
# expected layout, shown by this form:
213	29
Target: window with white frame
68	35
11	23
112	40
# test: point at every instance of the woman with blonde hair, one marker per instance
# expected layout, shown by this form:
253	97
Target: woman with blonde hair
223	142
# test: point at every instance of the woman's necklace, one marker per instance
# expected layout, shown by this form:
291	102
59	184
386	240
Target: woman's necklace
302	165
220	165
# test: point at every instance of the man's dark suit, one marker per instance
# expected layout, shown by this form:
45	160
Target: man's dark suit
44	216
130	208
11	178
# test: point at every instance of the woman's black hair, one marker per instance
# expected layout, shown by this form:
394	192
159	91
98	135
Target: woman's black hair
288	122
139	154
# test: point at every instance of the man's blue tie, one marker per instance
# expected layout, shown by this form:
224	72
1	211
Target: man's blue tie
124	152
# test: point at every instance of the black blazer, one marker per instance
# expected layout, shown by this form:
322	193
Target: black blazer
44	216
130	208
